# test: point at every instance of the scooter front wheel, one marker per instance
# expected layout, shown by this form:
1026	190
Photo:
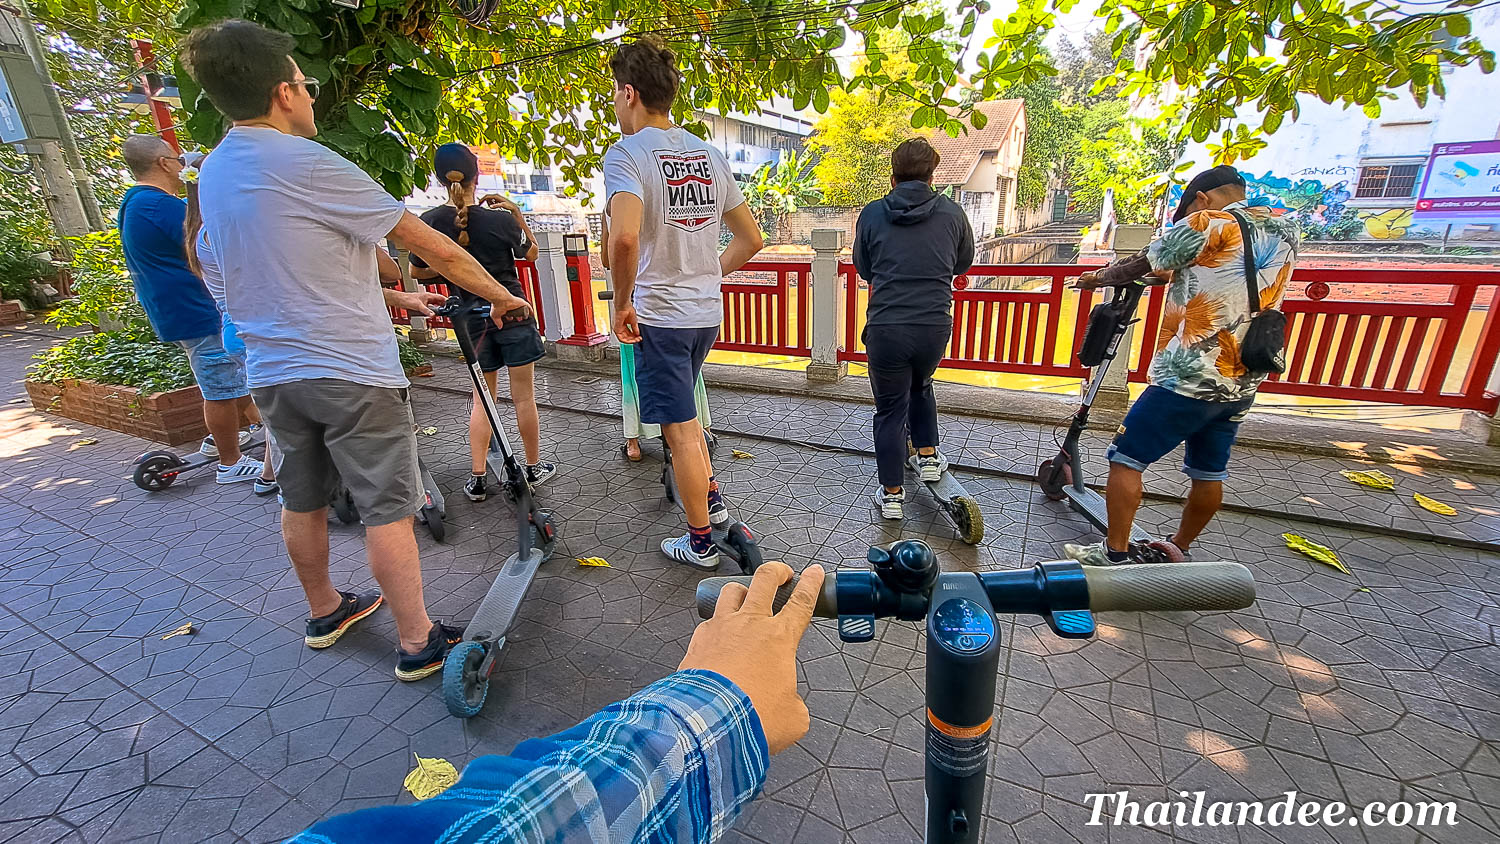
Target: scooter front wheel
1052	482
464	688
740	544
156	471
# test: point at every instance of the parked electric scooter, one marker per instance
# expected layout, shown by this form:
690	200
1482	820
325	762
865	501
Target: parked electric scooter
963	640
434	507
1062	476
734	540
158	469
466	671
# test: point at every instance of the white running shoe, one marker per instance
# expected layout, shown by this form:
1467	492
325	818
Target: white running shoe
930	467
210	449
247	469
680	548
889	503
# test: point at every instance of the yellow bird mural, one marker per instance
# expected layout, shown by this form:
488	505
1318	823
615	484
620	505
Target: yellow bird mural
1390	224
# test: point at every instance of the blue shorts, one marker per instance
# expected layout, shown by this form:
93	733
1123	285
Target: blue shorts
667	364
220	373
1160	420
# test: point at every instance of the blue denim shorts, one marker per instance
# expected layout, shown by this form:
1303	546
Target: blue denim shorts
1160	420
220	373
667	364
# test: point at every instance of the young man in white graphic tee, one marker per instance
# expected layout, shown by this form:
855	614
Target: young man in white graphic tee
667	193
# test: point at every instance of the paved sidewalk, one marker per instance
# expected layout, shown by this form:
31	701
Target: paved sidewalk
1377	686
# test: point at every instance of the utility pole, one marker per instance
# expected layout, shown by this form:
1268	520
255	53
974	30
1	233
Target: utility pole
59	165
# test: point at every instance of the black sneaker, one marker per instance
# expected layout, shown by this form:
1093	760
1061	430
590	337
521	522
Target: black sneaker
322	632
538	473
476	489
440	640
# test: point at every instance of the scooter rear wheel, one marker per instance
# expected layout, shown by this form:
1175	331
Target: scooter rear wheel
969	519
343	506
154	472
464	690
1053	488
434	520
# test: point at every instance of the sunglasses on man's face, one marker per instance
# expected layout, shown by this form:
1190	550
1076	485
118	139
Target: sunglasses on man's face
311	85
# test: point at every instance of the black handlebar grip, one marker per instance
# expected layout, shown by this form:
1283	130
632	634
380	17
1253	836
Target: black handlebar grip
709	589
1170	586
606	295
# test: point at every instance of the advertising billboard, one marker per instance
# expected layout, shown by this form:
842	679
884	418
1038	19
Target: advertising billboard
1461	180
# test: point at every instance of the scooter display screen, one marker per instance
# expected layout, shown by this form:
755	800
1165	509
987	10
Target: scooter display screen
963	626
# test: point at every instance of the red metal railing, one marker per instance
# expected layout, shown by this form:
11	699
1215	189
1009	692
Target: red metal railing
769	312
530	283
1413	337
1015	329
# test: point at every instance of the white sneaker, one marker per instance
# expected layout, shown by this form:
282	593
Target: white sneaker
680	548
248	469
209	448
889	503
930	467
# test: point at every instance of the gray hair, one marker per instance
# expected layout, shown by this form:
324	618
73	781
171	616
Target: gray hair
142	152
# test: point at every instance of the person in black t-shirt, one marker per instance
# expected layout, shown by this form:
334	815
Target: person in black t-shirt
494	231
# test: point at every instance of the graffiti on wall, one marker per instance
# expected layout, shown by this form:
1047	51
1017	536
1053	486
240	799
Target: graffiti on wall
1317	197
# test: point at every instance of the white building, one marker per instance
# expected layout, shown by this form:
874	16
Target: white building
1350	177
752	140
980	167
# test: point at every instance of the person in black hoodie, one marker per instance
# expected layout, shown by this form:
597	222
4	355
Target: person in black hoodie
909	245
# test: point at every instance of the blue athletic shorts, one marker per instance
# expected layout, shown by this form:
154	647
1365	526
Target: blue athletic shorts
1160	420
667	364
220	373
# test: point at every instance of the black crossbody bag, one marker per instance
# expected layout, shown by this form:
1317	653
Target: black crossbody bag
1264	346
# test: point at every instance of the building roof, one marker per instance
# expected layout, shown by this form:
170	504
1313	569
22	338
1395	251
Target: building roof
960	154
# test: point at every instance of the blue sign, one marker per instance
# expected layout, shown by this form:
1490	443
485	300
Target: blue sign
11	127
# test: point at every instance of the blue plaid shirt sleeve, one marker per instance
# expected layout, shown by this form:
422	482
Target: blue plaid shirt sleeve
675	762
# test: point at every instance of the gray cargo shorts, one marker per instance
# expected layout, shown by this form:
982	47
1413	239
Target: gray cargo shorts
329	428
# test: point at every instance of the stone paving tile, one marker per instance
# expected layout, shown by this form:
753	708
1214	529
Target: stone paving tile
1377	686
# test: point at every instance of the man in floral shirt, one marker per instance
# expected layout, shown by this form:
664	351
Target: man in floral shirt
1200	390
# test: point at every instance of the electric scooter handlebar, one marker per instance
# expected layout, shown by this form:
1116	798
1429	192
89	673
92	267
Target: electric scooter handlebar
1204	587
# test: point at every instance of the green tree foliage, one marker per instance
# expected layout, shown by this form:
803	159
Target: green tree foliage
403	74
780	189
1050	132
1081	66
1132	157
854	142
90	84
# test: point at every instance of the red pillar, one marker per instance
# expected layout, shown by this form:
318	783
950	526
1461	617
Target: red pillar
161	113
580	292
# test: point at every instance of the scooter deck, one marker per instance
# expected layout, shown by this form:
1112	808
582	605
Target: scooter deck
945	488
1091	505
196	459
497	612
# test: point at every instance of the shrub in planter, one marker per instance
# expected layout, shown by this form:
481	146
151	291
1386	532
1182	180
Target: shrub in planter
129	357
413	359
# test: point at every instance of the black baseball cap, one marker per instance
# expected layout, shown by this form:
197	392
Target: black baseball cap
1214	177
455	158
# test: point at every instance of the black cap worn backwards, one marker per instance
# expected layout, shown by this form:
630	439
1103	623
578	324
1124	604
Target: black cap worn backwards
1214	177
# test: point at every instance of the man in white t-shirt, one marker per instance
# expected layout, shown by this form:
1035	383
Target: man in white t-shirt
295	230
667	194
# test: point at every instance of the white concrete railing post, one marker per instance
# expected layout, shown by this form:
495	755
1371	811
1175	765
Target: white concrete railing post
419	332
827	307
552	278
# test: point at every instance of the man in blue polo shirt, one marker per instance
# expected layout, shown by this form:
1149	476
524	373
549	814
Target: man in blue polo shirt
179	306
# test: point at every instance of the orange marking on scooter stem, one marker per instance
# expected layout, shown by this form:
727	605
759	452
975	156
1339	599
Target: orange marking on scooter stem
959	732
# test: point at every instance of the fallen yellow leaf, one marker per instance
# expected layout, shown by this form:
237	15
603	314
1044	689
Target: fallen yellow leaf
1374	479
429	430
1433	505
185	630
741	455
430	778
593	561
1321	553
88	441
